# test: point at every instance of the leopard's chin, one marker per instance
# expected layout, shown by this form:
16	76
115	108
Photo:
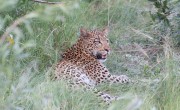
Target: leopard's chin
102	60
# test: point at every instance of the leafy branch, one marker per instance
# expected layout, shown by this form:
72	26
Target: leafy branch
162	11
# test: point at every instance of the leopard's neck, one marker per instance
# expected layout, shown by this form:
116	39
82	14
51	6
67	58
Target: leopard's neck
75	54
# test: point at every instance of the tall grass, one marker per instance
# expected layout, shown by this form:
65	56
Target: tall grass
26	67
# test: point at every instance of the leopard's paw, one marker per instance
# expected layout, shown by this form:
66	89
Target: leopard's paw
124	79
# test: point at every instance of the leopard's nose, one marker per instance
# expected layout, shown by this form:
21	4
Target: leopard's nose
106	50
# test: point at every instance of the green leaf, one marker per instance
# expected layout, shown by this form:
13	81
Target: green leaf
157	4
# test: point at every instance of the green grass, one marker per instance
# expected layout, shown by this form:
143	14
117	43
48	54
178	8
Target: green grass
26	76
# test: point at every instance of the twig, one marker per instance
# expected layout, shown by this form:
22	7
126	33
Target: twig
46	2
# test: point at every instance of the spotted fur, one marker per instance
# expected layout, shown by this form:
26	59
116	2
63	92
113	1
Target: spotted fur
82	66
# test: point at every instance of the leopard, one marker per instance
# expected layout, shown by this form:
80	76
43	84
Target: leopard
82	64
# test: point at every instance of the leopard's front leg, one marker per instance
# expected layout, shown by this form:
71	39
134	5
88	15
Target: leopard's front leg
118	79
103	75
98	72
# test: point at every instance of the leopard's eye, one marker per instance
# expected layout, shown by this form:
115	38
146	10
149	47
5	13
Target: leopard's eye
97	42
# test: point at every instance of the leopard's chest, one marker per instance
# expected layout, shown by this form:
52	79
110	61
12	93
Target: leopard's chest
86	69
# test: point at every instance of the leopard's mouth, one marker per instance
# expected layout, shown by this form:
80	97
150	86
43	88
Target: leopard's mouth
100	56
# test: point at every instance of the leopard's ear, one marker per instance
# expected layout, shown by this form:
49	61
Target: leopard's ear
84	32
105	31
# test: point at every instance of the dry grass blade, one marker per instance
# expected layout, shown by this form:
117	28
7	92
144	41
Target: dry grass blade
167	47
16	23
46	2
141	50
135	104
140	33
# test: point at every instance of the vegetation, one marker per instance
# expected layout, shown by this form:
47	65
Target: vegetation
144	37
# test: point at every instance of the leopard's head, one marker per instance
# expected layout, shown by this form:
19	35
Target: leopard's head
95	42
